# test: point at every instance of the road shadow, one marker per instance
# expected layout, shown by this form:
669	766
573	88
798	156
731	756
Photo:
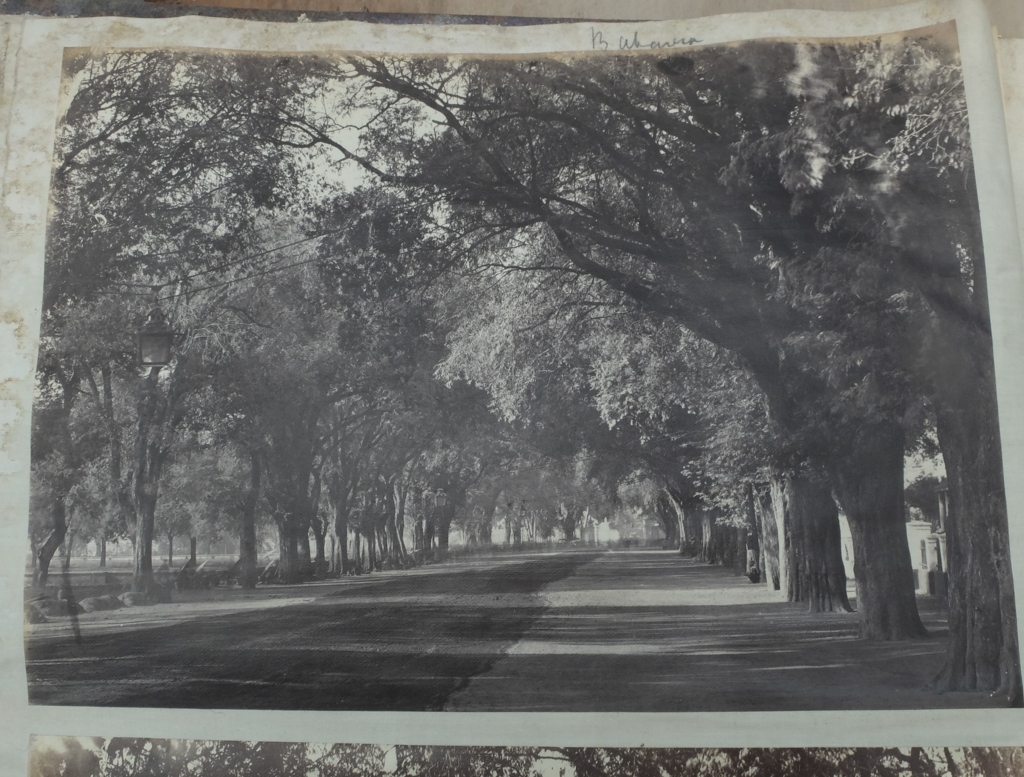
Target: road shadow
330	655
721	655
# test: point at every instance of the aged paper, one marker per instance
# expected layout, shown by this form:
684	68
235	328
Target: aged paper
37	50
1011	72
1006	14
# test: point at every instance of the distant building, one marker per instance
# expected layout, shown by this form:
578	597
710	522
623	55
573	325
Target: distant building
598	533
847	544
927	542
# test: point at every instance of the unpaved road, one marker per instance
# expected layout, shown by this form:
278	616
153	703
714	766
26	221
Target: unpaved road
574	631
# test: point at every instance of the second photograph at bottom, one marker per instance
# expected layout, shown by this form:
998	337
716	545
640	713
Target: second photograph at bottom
57	756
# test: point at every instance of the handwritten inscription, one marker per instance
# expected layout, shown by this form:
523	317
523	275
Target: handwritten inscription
599	42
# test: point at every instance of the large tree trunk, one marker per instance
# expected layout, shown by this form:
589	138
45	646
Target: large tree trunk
302	541
145	507
681	528
103	551
247	546
170	551
983	651
444	525
66	587
341	532
121	503
58	531
419	531
65	567
69	543
870	489
150	453
707	527
380	531
784	537
718	540
486	528
983	648
371	549
693	531
817	575
320	537
401	500
289	567
430	528
669	518
958	364
394	540
739	560
569	525
810	563
769	539
753	558
687	522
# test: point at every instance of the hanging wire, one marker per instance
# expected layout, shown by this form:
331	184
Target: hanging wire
232	263
147	289
231	281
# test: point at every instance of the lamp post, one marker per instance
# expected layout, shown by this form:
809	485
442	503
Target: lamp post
155	341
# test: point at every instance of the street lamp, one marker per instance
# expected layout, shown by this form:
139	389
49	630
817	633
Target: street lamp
155	340
440	498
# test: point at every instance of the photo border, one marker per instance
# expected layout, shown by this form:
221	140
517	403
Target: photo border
32	56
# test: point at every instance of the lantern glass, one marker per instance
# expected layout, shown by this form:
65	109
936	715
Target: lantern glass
155	340
441	499
155	348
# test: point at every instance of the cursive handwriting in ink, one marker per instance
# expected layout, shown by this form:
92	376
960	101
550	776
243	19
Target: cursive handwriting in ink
635	43
600	42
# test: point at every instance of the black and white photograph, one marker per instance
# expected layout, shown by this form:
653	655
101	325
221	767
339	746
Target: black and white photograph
656	378
136	757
